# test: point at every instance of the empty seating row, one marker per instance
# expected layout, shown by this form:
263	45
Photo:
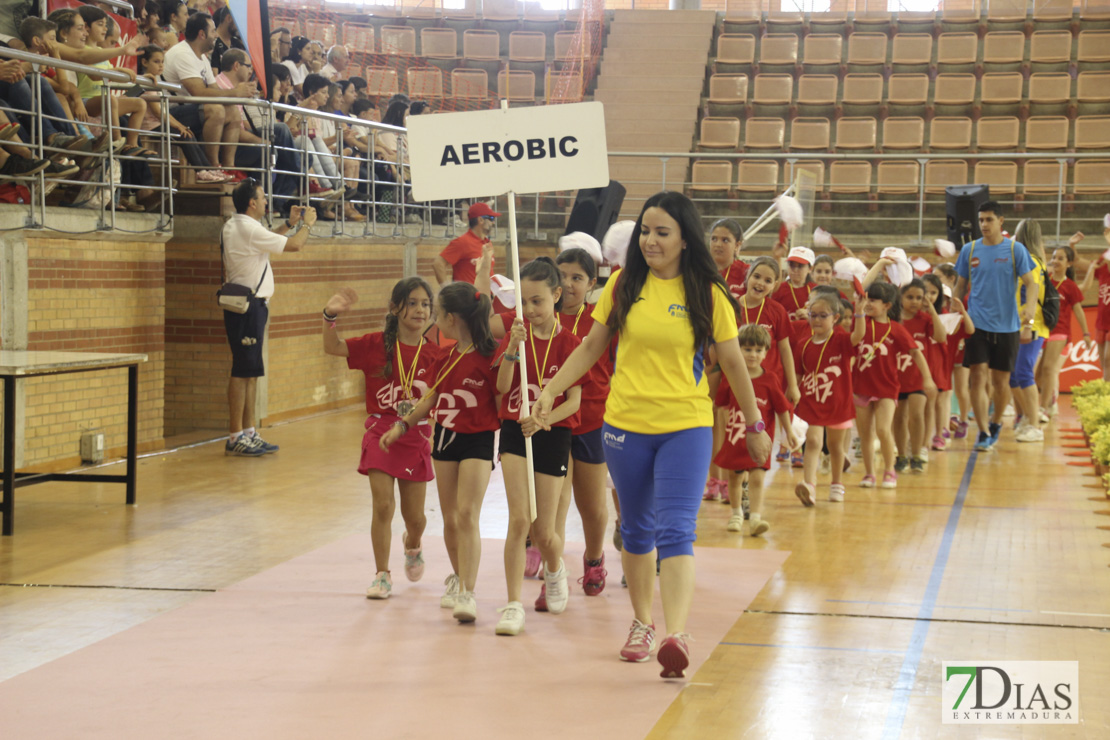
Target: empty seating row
427	83
525	46
912	50
903	177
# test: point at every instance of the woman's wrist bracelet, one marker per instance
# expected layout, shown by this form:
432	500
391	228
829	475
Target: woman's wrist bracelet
403	424
329	318
511	358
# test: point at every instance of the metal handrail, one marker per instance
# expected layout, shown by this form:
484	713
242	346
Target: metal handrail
107	74
839	156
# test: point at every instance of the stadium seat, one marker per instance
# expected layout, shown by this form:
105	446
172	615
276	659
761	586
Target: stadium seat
1053	13
439	43
809	134
1042	177
502	17
564	47
562	88
960	15
863	94
856	133
764	133
784	18
728	95
320	31
424	83
778	52
1048	132
953	92
381	81
735	52
950	133
940	173
1093	92
536	18
957	52
517	86
916	21
903	133
527	46
907	94
1094	14
469	84
1003	51
1006	15
817	95
1091	177
1092	132
1001	93
1094	50
997	133
866	51
872	16
850	178
1050	51
823	52
1000	176
358	37
911	52
713	175
898	177
829	21
1049	93
743	16
757	176
772	94
719	133
815	167
399	40
479	44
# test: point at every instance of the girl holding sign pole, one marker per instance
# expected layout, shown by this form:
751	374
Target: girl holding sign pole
671	309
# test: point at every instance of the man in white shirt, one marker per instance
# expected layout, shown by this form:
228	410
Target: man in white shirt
336	68
188	65
246	247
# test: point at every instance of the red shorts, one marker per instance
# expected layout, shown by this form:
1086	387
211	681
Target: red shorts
410	457
1058	337
1101	335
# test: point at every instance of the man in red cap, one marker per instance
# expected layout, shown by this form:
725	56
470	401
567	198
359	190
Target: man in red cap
459	260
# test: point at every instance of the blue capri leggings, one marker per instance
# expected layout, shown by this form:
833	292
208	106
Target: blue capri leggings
660	479
1022	376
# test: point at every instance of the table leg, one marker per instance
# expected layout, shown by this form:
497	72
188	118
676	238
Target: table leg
132	427
9	456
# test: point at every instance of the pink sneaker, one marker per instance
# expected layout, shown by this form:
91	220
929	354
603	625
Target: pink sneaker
711	491
641	641
867	482
890	479
938	443
725	498
593	579
961	430
805	494
414	564
532	562
541	600
674	655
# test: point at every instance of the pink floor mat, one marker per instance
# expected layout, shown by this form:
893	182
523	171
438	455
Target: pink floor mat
298	652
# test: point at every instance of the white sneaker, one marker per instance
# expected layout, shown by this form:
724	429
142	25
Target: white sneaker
736	522
836	492
1031	433
924	454
381	587
466	608
1009	410
447	601
757	525
557	591
512	619
826	465
1044	416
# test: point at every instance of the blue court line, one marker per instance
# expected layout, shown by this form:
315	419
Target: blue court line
812	647
938	606
899	704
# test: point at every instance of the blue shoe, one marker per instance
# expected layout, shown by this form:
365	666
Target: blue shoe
267	448
996	429
984	443
244	446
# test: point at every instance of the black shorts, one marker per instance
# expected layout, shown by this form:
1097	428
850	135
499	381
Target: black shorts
587	448
245	332
550	449
192	116
452	446
904	396
999	350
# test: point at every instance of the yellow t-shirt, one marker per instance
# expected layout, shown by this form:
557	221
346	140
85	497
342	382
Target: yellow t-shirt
659	383
1039	328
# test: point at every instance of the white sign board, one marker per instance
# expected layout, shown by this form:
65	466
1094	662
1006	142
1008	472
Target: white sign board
525	150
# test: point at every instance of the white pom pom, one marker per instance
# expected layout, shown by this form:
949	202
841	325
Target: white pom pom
821	238
581	240
920	265
893	253
899	273
503	290
617	241
849	268
790	211
944	248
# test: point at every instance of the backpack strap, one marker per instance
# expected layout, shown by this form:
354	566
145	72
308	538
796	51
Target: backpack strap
223	270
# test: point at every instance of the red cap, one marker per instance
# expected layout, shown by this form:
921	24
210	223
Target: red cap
480	209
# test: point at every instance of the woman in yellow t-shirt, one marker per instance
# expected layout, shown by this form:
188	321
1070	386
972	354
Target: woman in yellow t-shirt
671	310
1023	384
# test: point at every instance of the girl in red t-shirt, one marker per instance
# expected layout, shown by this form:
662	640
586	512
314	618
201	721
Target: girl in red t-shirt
1062	266
793	293
397	364
880	341
916	388
462	443
957	424
586	470
1100	270
823	363
546	346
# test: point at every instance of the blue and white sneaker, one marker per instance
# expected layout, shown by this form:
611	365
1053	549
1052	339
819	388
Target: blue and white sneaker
267	448
984	443
996	430
244	446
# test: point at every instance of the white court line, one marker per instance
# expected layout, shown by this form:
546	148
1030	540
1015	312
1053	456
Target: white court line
1078	614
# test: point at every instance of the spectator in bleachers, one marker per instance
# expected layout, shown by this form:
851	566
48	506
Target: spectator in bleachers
317	60
318	138
12	13
175	16
216	125
296	62
365	110
87	54
40	36
17	160
281	41
346	98
360	85
280	89
336	68
227	36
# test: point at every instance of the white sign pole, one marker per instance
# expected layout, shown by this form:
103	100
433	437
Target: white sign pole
525	408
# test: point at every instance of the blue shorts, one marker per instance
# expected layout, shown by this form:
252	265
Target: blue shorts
587	448
660	479
1027	354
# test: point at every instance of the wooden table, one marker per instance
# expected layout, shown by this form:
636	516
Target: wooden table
16	365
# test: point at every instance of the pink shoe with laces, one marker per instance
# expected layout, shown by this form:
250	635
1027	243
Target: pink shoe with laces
674	655
641	641
593	578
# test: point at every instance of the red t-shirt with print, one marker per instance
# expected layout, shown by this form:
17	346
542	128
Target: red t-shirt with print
548	354
736	275
825	378
771	400
920	328
876	371
467	392
367	353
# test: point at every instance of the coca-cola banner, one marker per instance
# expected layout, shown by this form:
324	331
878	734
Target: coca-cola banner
1080	362
128	28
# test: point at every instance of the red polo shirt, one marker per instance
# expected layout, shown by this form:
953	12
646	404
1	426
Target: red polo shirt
463	255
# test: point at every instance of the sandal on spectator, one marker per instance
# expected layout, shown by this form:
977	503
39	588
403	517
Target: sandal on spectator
8	131
72	143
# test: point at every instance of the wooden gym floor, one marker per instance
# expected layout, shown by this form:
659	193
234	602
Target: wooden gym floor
986	558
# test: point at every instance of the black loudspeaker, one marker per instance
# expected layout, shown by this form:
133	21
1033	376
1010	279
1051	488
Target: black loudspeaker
962	205
596	209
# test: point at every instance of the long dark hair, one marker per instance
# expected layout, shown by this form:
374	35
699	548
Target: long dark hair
401	292
474	308
696	265
580	257
887	293
543	270
1070	254
935	281
915	283
395	113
